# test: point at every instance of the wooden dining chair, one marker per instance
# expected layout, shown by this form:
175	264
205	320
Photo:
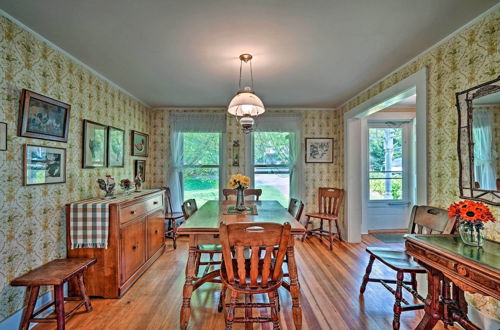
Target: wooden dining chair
295	208
248	192
423	220
172	219
189	207
251	267
329	203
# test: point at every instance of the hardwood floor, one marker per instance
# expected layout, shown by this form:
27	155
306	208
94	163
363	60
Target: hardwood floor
330	298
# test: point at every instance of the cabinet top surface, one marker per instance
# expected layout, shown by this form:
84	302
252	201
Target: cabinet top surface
119	198
452	245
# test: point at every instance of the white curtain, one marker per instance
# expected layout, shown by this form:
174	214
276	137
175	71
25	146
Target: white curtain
190	122
484	150
292	124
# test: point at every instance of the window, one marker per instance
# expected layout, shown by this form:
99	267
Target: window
201	166
271	164
387	162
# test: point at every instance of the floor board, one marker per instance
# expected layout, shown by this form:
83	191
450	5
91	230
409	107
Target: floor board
329	284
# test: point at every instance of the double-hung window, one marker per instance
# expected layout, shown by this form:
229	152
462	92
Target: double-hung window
197	145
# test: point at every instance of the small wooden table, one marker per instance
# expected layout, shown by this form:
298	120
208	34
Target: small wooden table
454	267
203	228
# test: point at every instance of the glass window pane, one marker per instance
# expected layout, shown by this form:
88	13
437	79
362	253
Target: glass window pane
379	189
201	148
275	186
201	184
271	148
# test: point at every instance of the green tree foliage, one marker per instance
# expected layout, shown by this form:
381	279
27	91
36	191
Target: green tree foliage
272	148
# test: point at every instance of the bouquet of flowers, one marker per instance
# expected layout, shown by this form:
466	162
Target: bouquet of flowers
107	185
239	181
471	217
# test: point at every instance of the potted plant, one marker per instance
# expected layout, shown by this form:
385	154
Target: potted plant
471	217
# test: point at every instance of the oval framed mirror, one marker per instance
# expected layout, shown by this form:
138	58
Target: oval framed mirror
479	142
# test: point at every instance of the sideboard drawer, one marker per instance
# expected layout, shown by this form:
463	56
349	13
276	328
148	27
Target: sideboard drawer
132	212
154	203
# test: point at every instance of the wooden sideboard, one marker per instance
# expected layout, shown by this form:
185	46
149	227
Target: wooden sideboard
136	240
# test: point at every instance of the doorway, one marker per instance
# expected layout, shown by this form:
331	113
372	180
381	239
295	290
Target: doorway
356	169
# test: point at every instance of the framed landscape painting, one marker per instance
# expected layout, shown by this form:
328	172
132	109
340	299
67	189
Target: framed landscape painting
319	150
140	144
3	136
42	117
116	147
43	165
94	144
140	169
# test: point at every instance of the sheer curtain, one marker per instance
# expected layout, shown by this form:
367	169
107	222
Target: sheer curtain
286	123
190	122
484	153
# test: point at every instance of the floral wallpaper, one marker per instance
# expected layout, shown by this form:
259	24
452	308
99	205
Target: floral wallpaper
32	222
315	123
469	58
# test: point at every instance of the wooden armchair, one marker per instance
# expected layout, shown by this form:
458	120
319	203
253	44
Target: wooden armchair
423	220
248	192
251	266
295	208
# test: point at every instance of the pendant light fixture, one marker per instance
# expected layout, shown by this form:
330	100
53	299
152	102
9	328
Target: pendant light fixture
246	105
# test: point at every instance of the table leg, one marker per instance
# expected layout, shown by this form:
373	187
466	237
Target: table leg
188	286
433	309
294	288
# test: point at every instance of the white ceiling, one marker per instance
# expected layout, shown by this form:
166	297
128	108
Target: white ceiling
183	53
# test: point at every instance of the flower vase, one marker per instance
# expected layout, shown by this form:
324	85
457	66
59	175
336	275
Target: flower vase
240	199
471	234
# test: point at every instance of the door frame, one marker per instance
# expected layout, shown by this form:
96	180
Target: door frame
355	135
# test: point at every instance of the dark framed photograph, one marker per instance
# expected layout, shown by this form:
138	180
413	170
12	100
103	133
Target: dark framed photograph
94	144
319	150
140	169
3	136
140	144
116	147
43	165
42	117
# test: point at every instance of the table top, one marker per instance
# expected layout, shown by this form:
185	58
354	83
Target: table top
211	214
452	245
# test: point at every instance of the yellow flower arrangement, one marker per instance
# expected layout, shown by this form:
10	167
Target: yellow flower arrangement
238	181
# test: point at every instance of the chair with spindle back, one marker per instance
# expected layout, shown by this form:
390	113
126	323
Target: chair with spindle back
423	220
248	192
172	219
329	203
189	207
252	267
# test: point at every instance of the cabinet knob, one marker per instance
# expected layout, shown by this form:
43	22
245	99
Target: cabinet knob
132	212
156	231
135	246
155	202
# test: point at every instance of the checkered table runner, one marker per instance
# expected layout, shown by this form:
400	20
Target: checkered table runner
89	223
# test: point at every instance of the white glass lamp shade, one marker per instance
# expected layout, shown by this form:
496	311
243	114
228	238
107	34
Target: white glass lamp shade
246	103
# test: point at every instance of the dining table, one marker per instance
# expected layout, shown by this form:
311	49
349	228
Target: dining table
203	228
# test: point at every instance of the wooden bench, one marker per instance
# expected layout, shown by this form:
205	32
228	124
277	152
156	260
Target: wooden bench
55	273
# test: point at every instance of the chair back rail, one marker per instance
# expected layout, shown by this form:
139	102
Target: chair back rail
430	220
330	200
189	207
248	192
259	241
295	208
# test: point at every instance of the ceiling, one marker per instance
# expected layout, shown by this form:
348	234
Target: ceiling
307	54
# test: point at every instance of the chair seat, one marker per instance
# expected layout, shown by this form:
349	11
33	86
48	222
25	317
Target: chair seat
247	287
398	260
210	248
173	215
325	216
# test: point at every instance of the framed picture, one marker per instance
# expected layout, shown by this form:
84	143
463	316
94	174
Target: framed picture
319	150
140	144
140	169
44	118
3	136
116	147
94	144
43	165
